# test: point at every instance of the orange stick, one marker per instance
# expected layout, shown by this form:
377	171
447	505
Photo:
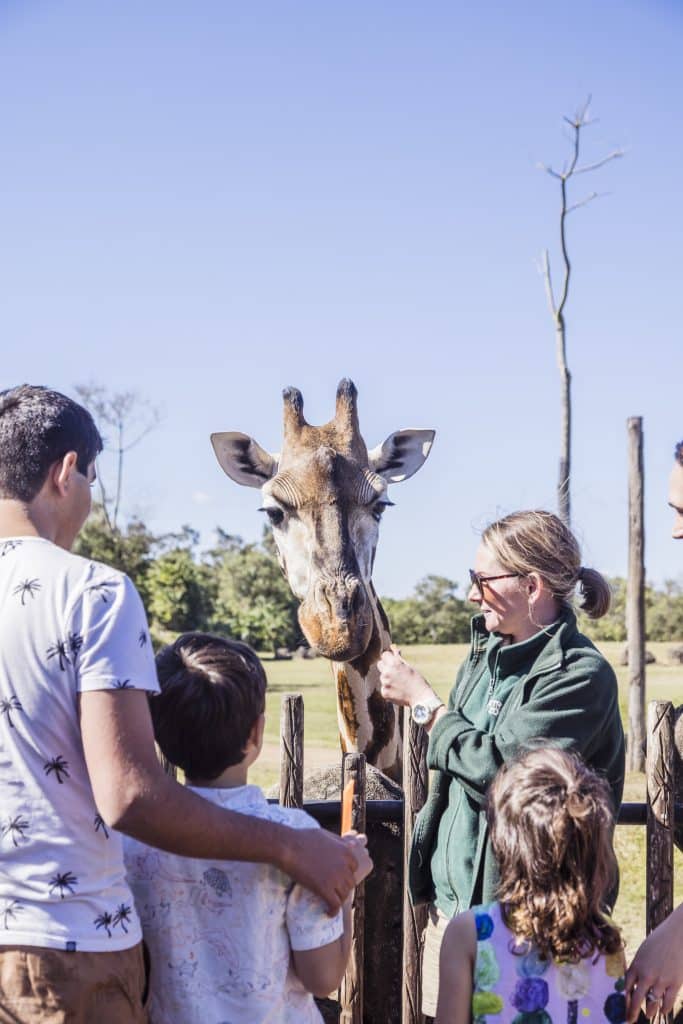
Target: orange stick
347	805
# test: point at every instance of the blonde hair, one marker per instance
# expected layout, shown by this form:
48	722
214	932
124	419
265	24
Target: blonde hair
538	541
551	823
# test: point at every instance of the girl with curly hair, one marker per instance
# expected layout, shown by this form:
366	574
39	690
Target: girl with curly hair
545	951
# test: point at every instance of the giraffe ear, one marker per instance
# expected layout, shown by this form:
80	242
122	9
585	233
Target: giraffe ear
402	454
244	461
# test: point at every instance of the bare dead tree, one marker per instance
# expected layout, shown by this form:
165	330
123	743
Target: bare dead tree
557	302
126	414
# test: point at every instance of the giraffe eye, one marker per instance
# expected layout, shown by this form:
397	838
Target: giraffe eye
378	509
275	514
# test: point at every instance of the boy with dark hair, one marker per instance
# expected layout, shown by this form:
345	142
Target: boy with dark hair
228	940
77	758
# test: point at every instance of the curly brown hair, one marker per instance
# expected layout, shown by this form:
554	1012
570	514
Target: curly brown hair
551	820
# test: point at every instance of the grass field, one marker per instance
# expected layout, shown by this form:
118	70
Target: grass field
438	663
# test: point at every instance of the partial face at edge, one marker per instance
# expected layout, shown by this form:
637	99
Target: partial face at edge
676	499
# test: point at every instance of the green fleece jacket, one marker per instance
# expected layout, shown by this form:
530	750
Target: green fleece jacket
568	696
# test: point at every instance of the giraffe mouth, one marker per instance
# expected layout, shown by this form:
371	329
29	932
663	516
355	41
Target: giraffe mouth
338	622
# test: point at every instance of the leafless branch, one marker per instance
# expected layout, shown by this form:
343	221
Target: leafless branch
599	163
548	282
586	201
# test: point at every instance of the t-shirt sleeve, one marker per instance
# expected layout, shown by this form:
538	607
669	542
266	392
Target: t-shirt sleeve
109	637
308	924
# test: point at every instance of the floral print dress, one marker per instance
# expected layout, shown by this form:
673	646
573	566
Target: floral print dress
514	985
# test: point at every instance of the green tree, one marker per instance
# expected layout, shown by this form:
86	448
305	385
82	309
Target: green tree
252	600
179	597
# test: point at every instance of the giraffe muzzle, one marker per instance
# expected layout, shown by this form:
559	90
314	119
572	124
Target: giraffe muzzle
336	618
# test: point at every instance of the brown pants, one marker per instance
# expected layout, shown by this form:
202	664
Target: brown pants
49	986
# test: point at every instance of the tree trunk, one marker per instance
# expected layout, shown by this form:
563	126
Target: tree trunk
563	494
635	599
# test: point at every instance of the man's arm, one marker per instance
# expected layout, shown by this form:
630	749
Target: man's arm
134	795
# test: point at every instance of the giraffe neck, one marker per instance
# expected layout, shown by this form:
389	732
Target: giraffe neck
368	723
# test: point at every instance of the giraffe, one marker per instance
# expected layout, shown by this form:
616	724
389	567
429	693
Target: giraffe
324	495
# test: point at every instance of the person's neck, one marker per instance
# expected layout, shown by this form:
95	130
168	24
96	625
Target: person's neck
235	775
19	519
544	616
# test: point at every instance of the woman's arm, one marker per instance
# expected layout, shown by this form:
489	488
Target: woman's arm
456	969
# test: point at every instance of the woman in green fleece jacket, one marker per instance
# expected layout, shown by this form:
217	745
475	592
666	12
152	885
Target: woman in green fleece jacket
531	678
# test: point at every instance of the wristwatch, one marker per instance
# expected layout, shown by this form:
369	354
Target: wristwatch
423	712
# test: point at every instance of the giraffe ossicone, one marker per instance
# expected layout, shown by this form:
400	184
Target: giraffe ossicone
324	494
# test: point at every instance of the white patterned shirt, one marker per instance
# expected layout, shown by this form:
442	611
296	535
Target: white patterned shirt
67	625
220	933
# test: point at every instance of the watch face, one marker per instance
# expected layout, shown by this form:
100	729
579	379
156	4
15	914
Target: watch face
421	714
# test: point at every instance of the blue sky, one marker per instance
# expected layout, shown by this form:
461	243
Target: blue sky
207	202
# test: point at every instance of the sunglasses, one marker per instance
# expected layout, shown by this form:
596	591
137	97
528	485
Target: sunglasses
478	581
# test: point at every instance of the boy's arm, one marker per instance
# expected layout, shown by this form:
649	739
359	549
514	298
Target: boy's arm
320	970
456	969
134	795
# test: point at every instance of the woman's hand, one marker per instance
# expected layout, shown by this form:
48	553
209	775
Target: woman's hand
400	682
656	974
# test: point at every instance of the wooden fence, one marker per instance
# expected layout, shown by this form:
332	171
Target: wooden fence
657	814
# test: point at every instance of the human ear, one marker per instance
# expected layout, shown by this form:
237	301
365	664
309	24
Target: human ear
534	586
62	471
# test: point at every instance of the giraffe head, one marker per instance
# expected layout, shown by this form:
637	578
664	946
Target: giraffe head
324	495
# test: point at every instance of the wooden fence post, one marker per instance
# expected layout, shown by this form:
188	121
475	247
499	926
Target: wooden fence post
415	786
635	597
292	750
660	817
351	989
660	811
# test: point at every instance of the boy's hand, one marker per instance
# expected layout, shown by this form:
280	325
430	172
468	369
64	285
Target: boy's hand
359	844
322	862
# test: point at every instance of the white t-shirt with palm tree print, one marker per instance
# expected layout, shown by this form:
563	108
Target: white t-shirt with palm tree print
67	625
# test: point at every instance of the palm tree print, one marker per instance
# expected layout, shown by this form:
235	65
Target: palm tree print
59	766
104	921
58	650
8	546
122	916
122	684
15	828
63	883
8	706
28	588
10	911
142	638
102	588
75	643
101	824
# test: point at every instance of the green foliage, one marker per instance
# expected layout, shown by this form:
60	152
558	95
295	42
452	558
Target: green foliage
433	615
663	614
179	593
252	600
